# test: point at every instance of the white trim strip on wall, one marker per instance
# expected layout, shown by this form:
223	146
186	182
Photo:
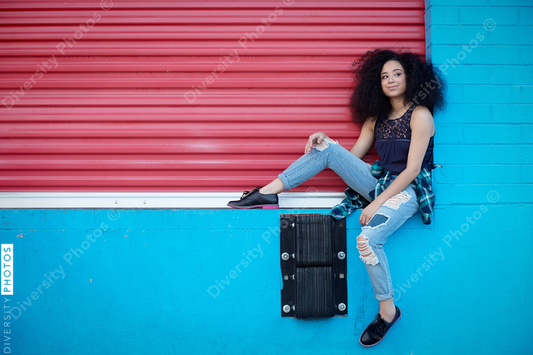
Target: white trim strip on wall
178	200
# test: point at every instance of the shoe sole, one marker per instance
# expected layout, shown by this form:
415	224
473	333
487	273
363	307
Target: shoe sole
368	346
265	207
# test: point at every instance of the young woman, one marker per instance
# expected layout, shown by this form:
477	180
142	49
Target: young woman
393	100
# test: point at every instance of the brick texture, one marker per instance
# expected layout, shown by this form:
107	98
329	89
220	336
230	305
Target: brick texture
485	136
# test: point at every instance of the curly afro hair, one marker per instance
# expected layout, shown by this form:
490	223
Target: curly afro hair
425	85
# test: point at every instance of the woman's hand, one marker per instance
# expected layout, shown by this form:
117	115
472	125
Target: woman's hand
368	212
315	138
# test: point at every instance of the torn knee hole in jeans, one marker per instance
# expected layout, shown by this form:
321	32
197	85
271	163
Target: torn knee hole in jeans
395	201
365	251
324	144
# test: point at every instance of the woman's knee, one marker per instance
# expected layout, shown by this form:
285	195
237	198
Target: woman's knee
366	247
371	239
326	144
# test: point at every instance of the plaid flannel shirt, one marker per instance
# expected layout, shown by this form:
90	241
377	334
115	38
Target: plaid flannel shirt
423	190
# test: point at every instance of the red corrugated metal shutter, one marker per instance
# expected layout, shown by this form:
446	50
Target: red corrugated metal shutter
98	96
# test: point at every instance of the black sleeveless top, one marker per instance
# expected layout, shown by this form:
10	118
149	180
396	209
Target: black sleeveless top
393	138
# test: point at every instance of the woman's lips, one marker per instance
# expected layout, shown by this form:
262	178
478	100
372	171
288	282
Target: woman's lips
393	87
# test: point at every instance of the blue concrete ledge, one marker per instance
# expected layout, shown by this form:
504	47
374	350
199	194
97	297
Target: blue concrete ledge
208	281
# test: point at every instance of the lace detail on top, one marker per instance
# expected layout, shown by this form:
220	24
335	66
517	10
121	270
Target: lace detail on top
393	139
398	128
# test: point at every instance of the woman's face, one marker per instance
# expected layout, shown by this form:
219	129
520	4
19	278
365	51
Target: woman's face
393	81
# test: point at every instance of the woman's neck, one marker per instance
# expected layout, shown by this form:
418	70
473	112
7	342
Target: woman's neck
398	107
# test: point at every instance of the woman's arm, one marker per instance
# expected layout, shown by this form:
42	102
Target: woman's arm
365	140
421	131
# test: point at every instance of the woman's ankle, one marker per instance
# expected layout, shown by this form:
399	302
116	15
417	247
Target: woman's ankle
267	191
387	309
273	188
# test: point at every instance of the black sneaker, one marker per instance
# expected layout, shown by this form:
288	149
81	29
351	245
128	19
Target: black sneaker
375	332
255	199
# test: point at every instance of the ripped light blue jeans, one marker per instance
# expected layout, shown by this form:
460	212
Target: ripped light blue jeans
358	175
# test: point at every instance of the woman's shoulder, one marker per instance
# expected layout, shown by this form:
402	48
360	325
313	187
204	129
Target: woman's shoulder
370	122
422	117
421	110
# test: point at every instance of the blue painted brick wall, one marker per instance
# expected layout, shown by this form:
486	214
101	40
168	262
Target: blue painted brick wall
167	282
483	48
